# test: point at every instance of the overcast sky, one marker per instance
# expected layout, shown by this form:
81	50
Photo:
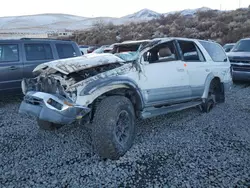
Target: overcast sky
113	8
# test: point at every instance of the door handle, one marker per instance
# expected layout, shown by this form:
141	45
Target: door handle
13	68
180	69
207	70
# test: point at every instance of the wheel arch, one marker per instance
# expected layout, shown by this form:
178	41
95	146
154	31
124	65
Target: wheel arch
101	89
211	78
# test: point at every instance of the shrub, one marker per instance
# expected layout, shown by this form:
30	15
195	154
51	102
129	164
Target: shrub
224	27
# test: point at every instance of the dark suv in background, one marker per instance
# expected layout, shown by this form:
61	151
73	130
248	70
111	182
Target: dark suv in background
18	58
239	57
228	47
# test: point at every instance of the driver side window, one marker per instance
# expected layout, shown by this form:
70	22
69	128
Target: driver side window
164	52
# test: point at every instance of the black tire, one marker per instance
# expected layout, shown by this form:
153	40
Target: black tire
45	125
213	97
111	137
208	105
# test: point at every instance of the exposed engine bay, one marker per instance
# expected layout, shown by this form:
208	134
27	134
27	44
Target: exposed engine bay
59	83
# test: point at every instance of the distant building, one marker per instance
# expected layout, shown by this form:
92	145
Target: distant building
60	34
50	34
17	35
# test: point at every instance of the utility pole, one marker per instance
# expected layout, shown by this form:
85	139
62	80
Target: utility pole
239	3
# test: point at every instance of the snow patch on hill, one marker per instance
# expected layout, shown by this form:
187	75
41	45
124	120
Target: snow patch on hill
59	22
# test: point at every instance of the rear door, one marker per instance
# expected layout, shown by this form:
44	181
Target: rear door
11	66
198	68
36	53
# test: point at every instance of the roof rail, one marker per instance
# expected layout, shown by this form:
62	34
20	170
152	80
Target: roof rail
42	39
33	38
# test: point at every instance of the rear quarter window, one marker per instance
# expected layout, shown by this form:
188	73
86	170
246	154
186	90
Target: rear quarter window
215	51
65	51
38	52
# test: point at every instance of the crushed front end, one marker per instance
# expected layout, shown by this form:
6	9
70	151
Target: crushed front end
53	95
46	98
52	108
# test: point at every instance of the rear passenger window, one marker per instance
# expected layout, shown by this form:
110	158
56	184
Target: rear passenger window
9	52
65	51
190	52
38	52
215	51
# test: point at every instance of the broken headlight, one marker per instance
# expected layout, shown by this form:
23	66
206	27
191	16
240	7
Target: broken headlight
73	95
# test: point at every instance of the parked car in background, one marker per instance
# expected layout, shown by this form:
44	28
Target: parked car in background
18	58
91	49
228	47
239	57
101	49
128	46
83	49
111	90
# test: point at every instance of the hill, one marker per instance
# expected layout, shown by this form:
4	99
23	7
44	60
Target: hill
53	22
223	27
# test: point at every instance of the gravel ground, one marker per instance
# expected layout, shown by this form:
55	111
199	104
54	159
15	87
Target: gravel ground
184	149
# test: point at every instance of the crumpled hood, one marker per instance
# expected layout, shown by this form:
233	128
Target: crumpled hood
69	65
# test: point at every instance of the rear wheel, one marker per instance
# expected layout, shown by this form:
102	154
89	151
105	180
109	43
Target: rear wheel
113	130
46	125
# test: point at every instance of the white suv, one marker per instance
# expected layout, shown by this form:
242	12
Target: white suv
110	90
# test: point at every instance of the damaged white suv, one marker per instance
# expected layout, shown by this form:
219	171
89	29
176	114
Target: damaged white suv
111	90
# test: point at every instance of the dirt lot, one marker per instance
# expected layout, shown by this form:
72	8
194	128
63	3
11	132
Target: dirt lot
184	149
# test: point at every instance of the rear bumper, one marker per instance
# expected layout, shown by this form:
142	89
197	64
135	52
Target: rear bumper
35	104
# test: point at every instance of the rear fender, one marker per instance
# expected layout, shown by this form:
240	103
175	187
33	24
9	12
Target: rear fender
209	78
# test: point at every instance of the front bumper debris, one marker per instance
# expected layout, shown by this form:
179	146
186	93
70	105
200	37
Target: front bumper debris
240	71
227	86
51	108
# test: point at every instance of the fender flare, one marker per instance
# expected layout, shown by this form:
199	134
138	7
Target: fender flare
208	81
111	84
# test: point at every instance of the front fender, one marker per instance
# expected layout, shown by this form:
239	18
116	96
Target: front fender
101	86
110	81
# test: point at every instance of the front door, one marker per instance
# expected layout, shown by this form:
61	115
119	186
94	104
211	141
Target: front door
11	66
164	78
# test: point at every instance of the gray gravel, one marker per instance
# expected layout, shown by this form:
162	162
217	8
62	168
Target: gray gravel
184	149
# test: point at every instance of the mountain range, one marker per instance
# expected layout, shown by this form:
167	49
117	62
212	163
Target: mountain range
41	23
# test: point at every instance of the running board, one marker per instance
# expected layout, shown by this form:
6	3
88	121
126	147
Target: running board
152	111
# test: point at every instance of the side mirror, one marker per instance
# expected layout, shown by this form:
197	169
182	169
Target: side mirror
227	50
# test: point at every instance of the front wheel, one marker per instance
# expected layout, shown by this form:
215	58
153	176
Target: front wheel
113	130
